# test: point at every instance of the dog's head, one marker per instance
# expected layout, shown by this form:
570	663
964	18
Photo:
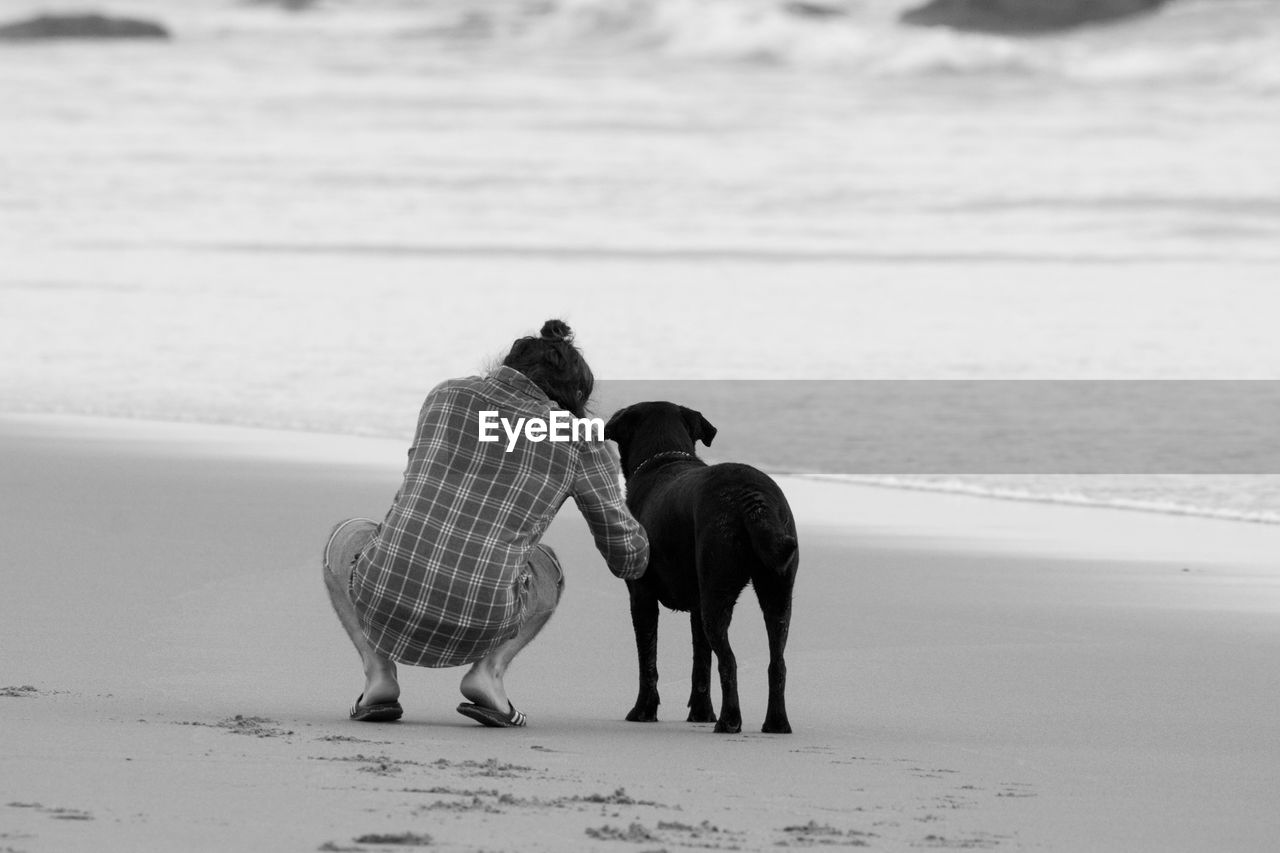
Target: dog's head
644	429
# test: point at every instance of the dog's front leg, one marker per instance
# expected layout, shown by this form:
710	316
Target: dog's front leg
644	619
700	708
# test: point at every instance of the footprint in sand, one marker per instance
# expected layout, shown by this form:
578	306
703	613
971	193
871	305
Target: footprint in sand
26	691
55	812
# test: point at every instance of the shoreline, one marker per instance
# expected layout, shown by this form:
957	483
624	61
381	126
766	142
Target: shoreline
302	444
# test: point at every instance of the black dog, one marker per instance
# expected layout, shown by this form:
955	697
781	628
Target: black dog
712	529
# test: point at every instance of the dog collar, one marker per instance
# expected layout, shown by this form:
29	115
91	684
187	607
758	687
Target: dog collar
666	454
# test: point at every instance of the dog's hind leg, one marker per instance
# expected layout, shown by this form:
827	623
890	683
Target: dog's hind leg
644	619
700	708
717	612
777	623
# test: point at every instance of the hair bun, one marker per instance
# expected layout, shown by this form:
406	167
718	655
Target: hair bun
556	330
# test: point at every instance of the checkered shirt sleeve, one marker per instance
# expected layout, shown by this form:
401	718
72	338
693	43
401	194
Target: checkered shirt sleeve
598	492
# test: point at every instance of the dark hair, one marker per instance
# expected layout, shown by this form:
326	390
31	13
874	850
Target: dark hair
555	365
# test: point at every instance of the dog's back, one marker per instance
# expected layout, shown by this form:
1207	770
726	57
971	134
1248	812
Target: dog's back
741	513
727	523
745	498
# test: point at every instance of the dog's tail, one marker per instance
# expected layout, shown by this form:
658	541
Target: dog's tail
774	543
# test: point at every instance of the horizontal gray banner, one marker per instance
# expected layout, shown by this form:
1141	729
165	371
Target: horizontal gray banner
980	426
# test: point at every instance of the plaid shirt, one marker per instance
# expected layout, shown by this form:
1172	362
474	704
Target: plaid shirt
440	583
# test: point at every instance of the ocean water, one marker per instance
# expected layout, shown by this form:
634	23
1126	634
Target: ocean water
305	219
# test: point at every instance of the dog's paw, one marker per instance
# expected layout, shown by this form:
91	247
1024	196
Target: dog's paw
776	727
702	715
726	727
700	708
642	715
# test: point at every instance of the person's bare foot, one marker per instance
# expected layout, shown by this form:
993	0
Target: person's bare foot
483	687
381	685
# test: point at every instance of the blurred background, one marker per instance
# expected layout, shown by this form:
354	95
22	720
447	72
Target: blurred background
304	215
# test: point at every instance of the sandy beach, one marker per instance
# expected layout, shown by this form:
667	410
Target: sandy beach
964	674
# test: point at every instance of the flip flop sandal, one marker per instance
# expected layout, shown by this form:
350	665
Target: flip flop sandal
379	712
491	718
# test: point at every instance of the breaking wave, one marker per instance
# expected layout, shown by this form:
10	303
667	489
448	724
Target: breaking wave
1212	42
1234	42
1140	494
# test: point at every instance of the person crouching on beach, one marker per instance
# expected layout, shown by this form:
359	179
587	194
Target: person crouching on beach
456	573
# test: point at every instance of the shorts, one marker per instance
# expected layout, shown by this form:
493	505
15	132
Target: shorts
346	542
539	585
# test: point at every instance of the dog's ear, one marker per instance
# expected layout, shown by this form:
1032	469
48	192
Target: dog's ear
700	429
618	428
